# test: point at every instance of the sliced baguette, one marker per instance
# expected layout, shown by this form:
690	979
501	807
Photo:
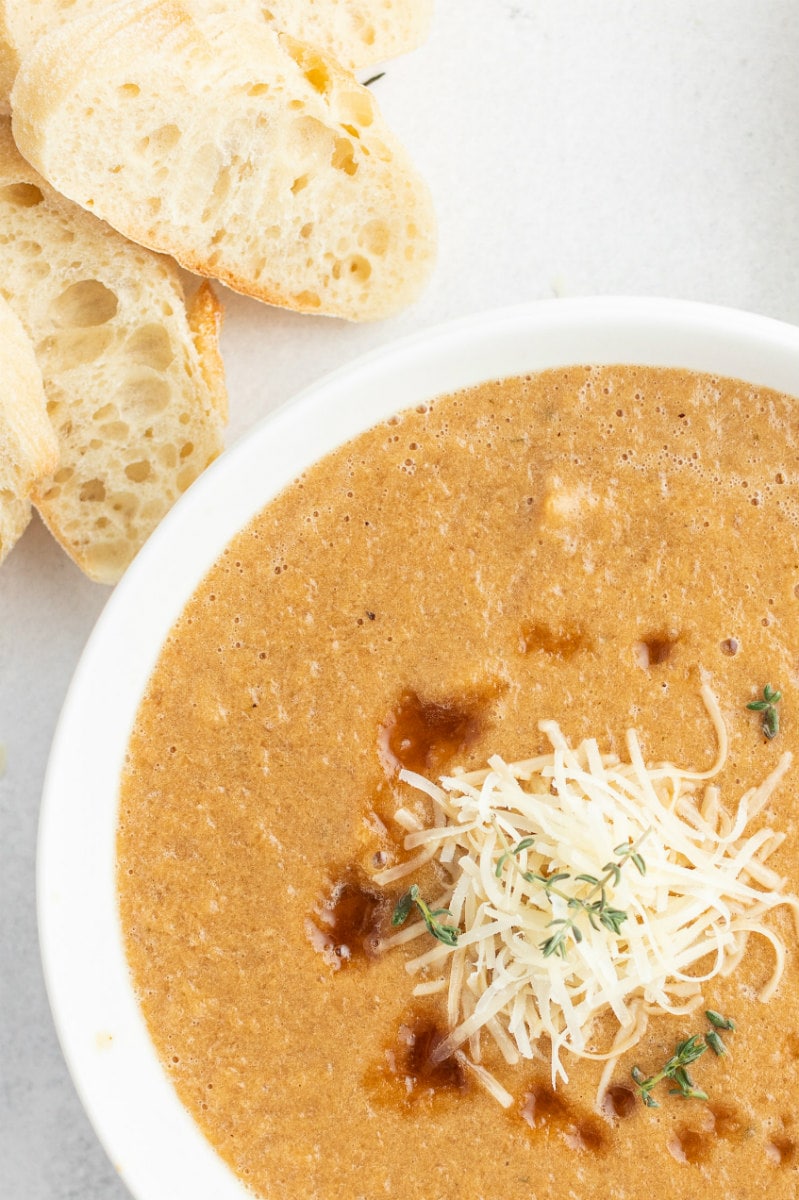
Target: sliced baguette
245	154
359	33
133	378
28	445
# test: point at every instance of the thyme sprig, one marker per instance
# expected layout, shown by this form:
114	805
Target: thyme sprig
770	723
676	1069
448	934
598	911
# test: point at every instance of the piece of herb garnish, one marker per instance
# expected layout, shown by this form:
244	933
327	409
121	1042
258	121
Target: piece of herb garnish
685	1053
718	1021
598	911
373	79
675	1069
770	723
514	852
448	934
716	1044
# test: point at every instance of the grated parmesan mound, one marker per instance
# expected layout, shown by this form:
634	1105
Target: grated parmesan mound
705	890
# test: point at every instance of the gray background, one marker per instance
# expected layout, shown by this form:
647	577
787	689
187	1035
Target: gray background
573	147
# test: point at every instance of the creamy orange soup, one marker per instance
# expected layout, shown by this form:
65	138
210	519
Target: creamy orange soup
578	545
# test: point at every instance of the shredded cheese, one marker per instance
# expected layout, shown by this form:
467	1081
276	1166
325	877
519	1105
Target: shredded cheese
705	890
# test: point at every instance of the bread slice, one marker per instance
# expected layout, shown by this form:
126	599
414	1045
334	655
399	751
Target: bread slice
28	446
359	33
132	376
242	152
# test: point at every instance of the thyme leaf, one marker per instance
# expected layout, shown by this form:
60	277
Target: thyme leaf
514	852
718	1021
770	723
716	1044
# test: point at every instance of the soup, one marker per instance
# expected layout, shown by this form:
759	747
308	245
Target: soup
586	545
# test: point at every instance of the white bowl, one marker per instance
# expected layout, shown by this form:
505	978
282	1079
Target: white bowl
151	1139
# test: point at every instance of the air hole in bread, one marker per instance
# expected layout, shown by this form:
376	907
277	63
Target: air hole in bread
129	90
374	237
319	79
258	89
108	412
149	395
184	418
93	489
74	347
137	472
63	475
357	268
343	156
307	300
187	449
28	248
84	304
166	137
306	230
351	130
102	523
312	65
299	183
151	345
21	195
220	191
115	431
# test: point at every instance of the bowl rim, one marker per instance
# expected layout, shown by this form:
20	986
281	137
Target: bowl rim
135	1112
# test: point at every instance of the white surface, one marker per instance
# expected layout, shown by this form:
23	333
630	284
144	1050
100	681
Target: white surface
633	146
158	1149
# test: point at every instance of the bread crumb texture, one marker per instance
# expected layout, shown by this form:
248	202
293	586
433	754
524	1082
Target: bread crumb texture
28	447
242	151
133	381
